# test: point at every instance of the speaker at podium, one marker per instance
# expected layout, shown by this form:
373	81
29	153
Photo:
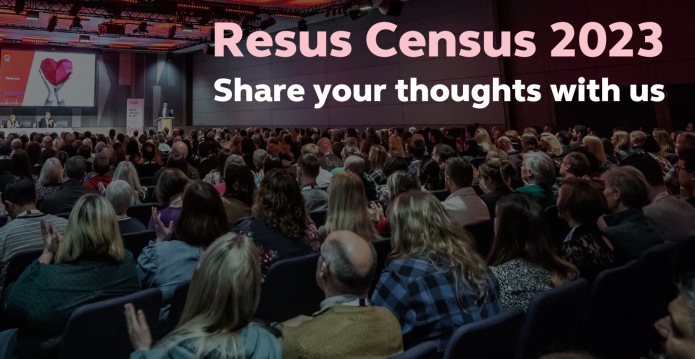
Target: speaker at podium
163	122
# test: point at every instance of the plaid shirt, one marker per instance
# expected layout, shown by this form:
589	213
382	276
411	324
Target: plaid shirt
376	176
423	299
414	166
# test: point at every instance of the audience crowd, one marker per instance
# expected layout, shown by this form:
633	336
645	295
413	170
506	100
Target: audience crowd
228	204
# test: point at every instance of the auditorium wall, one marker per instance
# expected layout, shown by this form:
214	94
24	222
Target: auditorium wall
122	75
360	67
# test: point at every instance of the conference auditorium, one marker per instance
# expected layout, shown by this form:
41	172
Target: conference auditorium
163	202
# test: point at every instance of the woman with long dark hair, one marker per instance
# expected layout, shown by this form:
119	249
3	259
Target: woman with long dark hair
240	189
21	165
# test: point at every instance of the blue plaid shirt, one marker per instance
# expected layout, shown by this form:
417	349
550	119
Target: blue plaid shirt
423	299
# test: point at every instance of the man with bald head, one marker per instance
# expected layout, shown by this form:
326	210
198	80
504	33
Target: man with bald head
180	148
505	144
347	326
355	164
47	143
327	159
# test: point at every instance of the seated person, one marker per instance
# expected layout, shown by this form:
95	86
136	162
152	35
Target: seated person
678	327
463	205
64	199
355	164
347	208
219	310
120	195
238	196
628	229
101	168
538	173
420	276
91	265
347	326
492	183
148	168
169	193
308	168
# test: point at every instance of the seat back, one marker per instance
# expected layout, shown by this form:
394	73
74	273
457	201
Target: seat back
559	229
142	212
476	162
383	248
603	329
552	320
483	233
177	305
319	217
99	330
290	290
18	263
491	338
3	220
441	195
426	350
65	215
146	181
136	242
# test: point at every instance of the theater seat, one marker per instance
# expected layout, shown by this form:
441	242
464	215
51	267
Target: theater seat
319	217
603	330
476	162
559	229
136	242
142	212
99	330
383	248
15	267
552	320
490	338
146	181
65	215
290	290
177	305
483	235
441	195
426	350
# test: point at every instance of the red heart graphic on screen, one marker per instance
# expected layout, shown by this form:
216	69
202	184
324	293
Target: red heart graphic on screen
56	72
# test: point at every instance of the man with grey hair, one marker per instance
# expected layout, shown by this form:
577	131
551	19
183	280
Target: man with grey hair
355	164
513	156
347	325
678	327
70	191
16	145
538	172
639	139
627	228
120	194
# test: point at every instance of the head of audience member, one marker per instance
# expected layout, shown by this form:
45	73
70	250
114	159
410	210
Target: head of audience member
537	168
429	175
575	164
530	131
219	306
579	132
5	147
34	152
62	156
595	146
324	145
149	152
686	172
101	164
355	164
394	164
564	138
21	165
98	148
337	136
348	151
51	172
665	141
529	143
16	145
279	200
458	174
307	169
638	138
415	147
120	195
347	206
170	186
377	157
497	153
396	148
401	182
347	265
678	327
177	161
47	142
247	146
421	226
126	171
685	140
521	232
259	158
19	196
625	188
491	174
550	145
202	217
505	144
69	139
441	153
621	141
180	148
273	150
270	163
482	138
651	170
580	202
132	149
239	183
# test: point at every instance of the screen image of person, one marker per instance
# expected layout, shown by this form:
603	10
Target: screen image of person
60	79
165	110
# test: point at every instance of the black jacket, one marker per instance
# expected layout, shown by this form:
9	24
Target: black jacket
148	169
491	198
65	198
207	165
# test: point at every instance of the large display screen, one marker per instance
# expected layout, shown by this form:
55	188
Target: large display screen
40	78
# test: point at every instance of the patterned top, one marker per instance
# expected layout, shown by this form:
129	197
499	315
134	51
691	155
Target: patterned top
586	249
376	176
44	191
519	281
423	298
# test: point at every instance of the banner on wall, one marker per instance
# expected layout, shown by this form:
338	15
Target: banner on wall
136	116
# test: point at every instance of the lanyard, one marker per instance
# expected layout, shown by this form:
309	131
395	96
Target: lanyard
28	212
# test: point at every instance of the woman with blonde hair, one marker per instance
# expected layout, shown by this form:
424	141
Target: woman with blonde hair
550	144
347	208
595	146
217	320
377	159
429	247
58	143
91	265
396	148
12	122
622	145
668	147
482	138
50	179
126	171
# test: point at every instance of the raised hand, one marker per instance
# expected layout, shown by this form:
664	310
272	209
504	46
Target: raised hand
163	232
138	330
378	211
51	237
60	86
48	88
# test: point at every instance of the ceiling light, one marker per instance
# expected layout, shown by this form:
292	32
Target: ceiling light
187	27
52	22
170	56
84	38
366	6
291	16
32	15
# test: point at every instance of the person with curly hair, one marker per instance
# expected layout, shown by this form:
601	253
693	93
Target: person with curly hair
280	227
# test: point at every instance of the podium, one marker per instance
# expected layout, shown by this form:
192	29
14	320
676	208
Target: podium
163	122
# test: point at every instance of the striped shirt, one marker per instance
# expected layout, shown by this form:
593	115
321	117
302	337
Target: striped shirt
24	234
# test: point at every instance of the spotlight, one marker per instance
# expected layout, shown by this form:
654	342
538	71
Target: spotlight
172	32
188	28
328	13
366	6
142	28
32	15
76	25
84	38
19	6
301	25
267	23
52	23
356	14
170	56
76	7
391	7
